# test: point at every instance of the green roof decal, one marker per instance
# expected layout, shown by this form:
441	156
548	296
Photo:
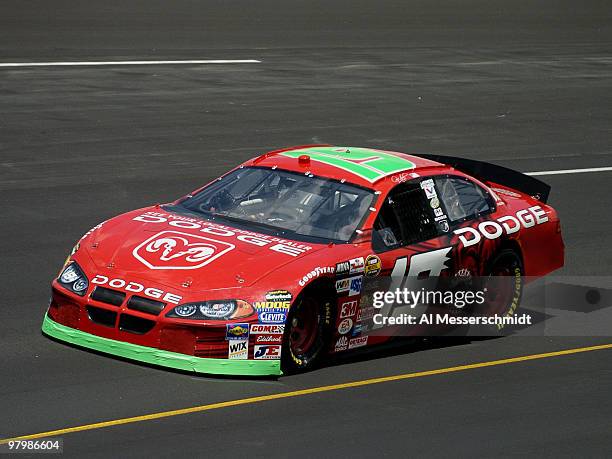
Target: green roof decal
366	163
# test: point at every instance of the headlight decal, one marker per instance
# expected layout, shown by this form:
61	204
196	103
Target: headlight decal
212	310
73	279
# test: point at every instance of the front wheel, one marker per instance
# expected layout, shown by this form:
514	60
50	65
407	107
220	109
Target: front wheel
307	332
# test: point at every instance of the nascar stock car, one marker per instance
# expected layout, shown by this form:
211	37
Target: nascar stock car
271	267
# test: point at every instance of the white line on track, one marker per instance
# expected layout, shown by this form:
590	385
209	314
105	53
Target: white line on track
100	63
571	171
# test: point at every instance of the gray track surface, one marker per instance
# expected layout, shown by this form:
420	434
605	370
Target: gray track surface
523	84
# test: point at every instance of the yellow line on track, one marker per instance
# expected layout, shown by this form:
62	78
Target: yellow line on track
298	393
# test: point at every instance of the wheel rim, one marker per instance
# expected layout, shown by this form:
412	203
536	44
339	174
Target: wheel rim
304	329
500	297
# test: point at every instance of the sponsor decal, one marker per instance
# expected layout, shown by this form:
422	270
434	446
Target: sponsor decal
401	178
373	266
257	329
434	203
237	331
176	250
506	192
135	287
341	344
357	342
342	268
508	224
365	314
275	244
348	309
343	285
443	225
355	287
429	188
279	295
438	212
274	309
272	317
316	272
267	352
268	339
345	326
359	329
238	349
356	265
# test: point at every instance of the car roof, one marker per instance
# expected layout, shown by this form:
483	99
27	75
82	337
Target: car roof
362	166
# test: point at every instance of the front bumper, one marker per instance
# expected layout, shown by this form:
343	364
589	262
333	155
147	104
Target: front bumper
160	357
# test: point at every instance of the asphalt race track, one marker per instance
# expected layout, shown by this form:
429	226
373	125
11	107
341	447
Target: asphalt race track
522	84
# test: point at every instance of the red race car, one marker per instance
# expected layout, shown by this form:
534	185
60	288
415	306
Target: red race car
274	265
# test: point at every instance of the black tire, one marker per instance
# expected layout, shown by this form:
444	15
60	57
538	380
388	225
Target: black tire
503	297
306	351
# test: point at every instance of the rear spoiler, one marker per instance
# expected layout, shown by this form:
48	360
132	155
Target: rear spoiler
487	172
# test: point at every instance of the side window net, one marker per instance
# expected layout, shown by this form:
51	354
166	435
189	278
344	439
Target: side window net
404	219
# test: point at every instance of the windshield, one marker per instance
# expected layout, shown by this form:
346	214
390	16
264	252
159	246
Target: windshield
286	202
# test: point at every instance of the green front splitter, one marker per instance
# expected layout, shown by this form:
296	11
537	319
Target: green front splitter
160	357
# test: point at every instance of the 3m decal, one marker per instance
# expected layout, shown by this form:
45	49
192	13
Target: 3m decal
366	163
135	287
175	250
238	349
348	309
267	352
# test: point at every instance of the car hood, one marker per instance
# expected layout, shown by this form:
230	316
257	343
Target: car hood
178	251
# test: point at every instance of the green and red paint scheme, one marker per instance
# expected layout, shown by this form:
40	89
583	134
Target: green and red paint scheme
283	295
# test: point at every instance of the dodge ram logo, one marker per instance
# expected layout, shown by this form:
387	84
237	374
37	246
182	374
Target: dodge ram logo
175	250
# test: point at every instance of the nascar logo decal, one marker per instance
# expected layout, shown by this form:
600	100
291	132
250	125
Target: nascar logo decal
176	250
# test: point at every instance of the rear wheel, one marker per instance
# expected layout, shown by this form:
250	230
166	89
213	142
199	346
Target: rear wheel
306	333
504	284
